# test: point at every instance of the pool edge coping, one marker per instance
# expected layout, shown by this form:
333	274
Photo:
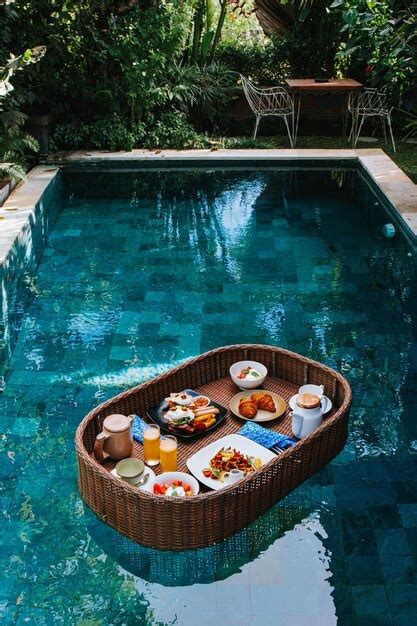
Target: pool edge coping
398	188
20	206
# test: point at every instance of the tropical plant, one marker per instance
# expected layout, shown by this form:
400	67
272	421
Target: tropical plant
123	59
379	44
14	145
207	25
14	64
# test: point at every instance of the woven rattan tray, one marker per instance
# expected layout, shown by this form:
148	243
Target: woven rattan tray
179	524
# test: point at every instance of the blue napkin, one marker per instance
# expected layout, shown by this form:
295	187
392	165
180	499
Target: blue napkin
266	437
138	426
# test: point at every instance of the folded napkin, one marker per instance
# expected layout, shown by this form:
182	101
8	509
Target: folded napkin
266	437
138	426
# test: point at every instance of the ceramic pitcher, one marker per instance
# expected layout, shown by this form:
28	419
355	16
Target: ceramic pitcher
115	440
307	416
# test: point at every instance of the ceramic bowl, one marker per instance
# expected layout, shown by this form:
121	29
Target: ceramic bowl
131	470
168	477
248	384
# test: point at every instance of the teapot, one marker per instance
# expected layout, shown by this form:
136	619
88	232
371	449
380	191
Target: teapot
115	440
307	416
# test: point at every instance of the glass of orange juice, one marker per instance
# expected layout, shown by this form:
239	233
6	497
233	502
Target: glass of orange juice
168	453
151	437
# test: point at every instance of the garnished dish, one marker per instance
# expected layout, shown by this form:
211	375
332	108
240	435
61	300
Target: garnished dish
227	459
187	413
174	488
174	485
248	373
195	415
214	464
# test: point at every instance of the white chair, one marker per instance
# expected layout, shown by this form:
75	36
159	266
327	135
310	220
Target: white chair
369	103
269	101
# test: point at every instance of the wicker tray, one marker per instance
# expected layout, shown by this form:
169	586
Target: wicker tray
177	524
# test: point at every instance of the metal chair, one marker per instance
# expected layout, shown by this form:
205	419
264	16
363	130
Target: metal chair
369	103
270	101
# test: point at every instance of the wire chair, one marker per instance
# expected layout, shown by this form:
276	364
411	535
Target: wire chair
270	101
370	102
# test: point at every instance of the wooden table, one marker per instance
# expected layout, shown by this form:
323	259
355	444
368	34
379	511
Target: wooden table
304	86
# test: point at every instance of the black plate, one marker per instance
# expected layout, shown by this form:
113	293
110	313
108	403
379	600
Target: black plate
156	414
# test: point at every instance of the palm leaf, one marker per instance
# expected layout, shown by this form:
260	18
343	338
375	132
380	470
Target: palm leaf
13	120
13	171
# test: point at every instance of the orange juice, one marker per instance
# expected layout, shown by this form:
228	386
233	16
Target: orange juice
168	453
151	437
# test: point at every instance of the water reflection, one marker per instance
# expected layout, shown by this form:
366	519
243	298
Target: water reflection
277	571
204	565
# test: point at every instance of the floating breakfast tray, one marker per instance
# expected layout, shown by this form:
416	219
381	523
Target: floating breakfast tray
180	524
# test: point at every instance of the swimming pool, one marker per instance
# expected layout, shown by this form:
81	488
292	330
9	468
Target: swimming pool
143	269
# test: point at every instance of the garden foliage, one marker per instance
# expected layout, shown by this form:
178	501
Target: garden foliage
14	142
160	73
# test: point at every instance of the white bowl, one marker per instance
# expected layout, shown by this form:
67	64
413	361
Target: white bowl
248	384
168	477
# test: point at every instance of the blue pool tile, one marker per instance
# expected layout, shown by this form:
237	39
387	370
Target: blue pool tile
399	569
408	514
392	541
404	620
411	534
369	599
364	570
25	426
406	491
402	598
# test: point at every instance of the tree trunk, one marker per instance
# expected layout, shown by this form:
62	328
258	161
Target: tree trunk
274	18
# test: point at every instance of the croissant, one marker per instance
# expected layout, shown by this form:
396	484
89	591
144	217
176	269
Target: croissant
264	401
248	408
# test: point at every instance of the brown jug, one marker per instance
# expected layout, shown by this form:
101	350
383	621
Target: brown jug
115	440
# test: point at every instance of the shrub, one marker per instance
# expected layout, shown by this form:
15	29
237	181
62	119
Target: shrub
171	130
379	44
107	133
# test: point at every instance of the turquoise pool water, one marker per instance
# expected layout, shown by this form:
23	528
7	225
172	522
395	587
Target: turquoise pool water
144	269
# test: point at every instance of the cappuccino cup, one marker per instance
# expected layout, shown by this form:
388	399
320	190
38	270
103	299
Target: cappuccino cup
315	390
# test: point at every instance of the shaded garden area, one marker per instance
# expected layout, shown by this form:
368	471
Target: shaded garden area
122	74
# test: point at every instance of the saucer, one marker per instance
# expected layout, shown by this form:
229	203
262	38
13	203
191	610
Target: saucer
293	401
147	470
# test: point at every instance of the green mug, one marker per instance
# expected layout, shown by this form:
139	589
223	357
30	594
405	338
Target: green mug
130	470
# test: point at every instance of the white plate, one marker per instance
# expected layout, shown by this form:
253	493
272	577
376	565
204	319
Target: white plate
293	402
148	483
201	459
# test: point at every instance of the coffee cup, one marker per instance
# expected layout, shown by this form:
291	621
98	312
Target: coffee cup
130	470
315	390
